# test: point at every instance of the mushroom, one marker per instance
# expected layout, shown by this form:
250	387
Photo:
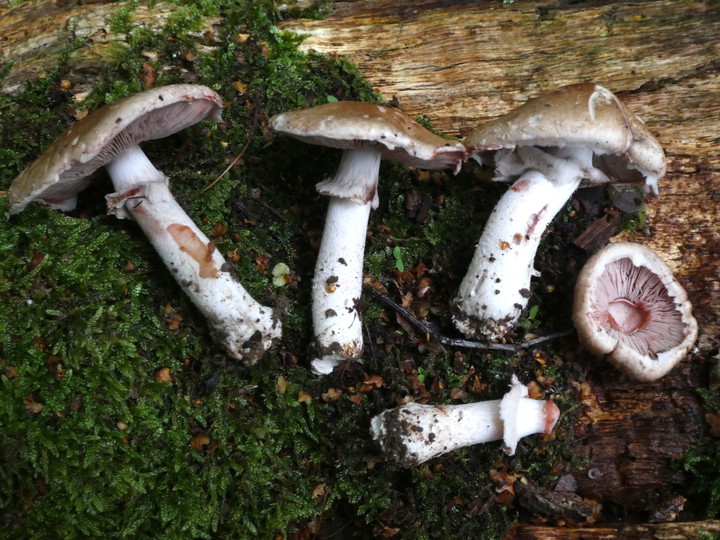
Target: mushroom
630	309
110	137
367	133
414	433
549	146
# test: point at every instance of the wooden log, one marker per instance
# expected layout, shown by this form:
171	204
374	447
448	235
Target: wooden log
35	35
666	531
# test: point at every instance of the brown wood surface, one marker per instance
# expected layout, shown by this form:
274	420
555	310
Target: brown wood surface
463	62
665	531
34	35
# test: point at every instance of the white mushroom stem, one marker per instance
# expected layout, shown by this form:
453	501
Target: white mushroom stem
496	287
414	433
243	326
337	283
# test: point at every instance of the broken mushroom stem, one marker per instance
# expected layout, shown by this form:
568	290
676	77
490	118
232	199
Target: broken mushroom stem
413	433
240	324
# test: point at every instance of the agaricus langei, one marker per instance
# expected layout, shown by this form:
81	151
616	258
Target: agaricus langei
548	147
630	309
413	433
110	137
366	133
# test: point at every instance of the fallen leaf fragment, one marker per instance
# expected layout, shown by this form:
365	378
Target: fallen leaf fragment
370	383
219	230
281	384
200	442
319	491
331	395
713	421
163	375
32	406
503	481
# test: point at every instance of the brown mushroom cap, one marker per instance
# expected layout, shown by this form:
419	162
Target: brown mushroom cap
631	309
352	124
580	115
63	169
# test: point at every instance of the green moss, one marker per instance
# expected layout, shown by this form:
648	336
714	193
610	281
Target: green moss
636	222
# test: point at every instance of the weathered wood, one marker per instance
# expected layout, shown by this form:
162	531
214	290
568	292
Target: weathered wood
34	36
666	531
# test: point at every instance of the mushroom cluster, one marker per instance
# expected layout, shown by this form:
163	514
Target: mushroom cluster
628	306
548	147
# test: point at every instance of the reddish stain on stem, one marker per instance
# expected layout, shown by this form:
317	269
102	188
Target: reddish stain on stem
191	244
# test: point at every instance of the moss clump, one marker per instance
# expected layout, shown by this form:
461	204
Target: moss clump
91	318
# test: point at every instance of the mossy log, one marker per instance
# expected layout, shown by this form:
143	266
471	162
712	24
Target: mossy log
35	36
463	62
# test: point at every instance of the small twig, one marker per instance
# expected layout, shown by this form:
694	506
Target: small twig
237	158
227	169
454	342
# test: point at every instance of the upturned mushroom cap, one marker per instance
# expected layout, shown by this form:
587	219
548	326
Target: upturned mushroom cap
62	171
580	115
631	309
352	124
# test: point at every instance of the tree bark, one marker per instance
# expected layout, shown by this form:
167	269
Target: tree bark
35	35
666	531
